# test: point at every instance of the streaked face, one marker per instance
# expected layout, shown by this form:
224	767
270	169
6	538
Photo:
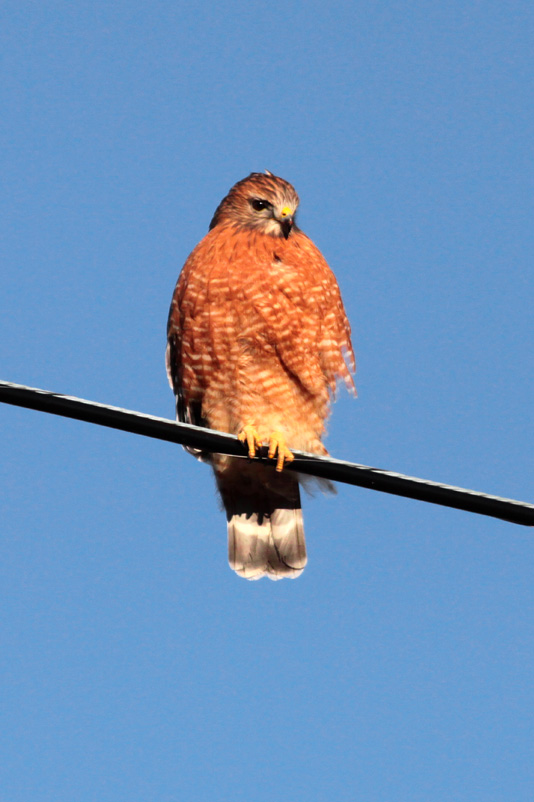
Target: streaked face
265	203
271	212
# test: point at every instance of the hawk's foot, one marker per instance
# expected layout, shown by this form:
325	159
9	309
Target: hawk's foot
249	435
279	450
277	445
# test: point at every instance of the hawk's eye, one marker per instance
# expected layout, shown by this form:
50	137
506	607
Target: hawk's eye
258	204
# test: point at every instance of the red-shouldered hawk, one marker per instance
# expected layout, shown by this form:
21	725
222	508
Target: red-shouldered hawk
257	338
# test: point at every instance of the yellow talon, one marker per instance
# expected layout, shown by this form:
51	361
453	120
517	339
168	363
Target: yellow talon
277	446
249	435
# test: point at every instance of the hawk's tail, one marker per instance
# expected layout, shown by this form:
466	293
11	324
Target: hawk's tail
265	528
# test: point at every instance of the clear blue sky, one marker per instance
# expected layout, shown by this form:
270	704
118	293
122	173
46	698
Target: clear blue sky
134	664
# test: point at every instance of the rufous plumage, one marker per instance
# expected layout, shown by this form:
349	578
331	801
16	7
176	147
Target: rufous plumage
257	341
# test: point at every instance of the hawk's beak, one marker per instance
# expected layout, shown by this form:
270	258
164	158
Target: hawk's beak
286	221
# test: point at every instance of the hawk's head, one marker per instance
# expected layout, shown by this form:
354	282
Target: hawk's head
263	202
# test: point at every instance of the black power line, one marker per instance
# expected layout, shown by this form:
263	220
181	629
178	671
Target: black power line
126	420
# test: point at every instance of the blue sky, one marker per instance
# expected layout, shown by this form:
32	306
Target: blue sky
134	664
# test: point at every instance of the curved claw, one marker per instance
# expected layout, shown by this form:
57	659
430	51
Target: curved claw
249	435
278	448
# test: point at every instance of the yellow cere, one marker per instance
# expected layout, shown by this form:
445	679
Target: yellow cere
286	211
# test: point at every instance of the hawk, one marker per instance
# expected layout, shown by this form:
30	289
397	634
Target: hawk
257	340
